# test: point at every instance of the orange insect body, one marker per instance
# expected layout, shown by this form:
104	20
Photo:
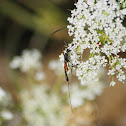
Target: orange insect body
65	66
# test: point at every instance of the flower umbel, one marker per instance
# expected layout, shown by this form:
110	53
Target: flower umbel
97	25
29	62
30	59
42	109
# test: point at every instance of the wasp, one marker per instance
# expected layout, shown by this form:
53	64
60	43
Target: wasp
66	64
66	61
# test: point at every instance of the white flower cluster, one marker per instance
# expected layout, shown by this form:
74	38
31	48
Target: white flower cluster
97	25
29	60
42	109
5	98
88	92
5	101
117	65
6	115
88	70
2	94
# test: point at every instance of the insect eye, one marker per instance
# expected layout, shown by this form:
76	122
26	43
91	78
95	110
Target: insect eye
68	50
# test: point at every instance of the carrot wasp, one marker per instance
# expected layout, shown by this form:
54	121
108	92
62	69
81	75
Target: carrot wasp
66	64
66	61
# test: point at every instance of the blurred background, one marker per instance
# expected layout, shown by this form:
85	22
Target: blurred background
33	90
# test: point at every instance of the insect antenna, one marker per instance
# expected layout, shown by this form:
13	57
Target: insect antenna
58	31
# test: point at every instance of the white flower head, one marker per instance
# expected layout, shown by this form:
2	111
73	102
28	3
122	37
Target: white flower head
16	62
40	108
7	115
30	59
97	26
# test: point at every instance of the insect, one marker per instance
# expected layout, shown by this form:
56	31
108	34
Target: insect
66	61
66	64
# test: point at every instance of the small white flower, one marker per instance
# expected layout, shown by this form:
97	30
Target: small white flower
123	11
16	62
61	57
2	93
39	76
112	83
6	115
111	72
